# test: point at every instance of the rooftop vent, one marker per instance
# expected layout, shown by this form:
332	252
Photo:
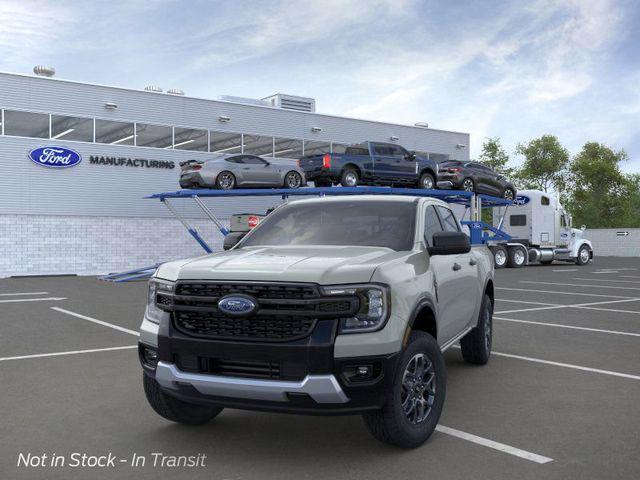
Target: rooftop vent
43	71
291	102
175	91
422	124
153	88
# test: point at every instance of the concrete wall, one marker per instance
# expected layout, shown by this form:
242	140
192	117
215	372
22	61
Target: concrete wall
612	242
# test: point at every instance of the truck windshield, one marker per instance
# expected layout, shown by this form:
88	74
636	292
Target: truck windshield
377	224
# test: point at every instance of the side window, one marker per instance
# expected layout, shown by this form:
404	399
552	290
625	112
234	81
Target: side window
398	151
253	160
544	200
431	225
237	159
382	150
449	221
517	220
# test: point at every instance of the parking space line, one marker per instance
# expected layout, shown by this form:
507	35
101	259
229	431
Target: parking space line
25	293
568	365
19	300
576	305
562	293
95	320
629	276
581	285
566	270
605	280
572	327
485	442
522	301
71	352
635	312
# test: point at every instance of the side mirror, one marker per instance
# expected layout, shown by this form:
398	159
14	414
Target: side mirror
410	156
232	239
449	243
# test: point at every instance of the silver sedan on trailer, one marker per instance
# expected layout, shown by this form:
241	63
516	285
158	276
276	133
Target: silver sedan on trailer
241	170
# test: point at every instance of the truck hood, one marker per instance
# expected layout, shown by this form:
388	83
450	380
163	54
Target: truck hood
323	265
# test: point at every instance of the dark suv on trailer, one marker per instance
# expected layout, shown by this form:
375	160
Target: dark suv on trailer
474	177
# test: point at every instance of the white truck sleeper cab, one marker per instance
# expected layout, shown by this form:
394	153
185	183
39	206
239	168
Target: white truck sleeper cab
541	232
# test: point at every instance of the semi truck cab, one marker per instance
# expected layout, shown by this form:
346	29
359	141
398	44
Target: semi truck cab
541	231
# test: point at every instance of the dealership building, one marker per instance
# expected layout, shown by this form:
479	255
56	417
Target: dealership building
92	218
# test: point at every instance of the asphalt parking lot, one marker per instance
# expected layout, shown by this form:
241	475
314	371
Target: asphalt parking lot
558	399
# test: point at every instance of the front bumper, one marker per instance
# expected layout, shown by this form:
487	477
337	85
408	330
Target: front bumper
309	381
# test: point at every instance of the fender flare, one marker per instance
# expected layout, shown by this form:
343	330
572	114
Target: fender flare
423	301
576	246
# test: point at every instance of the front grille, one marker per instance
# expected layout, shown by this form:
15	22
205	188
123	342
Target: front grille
260	327
257	290
284	312
227	367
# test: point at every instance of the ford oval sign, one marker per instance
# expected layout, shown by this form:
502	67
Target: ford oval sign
521	200
237	305
55	157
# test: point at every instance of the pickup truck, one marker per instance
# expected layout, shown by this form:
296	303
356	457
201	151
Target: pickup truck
335	305
371	163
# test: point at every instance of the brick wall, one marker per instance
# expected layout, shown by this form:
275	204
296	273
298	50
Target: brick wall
611	242
51	245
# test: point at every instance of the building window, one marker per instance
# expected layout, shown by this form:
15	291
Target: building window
157	136
225	142
71	128
338	148
115	133
26	124
316	148
287	148
190	139
258	145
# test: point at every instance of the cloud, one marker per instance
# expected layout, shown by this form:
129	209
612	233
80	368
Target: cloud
30	29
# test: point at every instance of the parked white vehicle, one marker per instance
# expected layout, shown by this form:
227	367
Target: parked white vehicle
541	232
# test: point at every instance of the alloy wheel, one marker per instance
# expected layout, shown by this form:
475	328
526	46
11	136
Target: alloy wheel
467	185
418	389
226	181
508	194
293	180
584	255
500	257
351	179
518	257
427	182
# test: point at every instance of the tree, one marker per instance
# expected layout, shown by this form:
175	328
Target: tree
545	163
600	195
494	156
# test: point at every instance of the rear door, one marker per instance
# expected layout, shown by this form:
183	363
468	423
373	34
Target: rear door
463	285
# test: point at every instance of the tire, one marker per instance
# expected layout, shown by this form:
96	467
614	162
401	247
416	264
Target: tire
226	180
584	255
292	180
427	181
500	256
468	185
476	345
322	183
517	257
349	177
409	430
508	194
176	410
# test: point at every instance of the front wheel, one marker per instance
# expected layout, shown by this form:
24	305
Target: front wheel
293	180
414	402
176	410
427	181
584	255
476	345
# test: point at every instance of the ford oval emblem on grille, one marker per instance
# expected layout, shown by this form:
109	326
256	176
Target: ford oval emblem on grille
237	305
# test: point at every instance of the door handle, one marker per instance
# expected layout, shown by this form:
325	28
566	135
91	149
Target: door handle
473	262
456	267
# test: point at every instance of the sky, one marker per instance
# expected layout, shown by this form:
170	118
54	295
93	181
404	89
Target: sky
509	69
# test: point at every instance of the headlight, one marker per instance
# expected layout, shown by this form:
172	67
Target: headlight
153	313
374	307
